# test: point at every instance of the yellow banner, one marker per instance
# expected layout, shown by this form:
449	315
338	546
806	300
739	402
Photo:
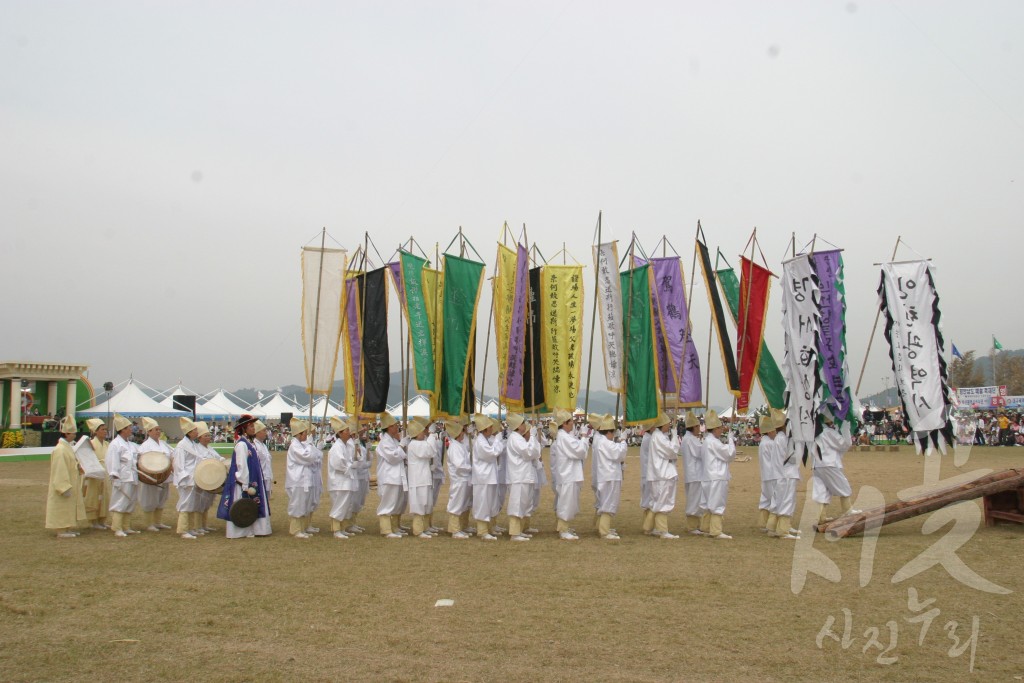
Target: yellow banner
433	297
504	296
561	306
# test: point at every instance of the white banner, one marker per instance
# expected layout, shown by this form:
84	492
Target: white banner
323	287
801	322
978	397
908	298
609	302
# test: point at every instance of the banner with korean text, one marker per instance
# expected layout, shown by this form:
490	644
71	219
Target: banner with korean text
561	301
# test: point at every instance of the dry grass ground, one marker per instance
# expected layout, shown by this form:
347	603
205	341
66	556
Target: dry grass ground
641	609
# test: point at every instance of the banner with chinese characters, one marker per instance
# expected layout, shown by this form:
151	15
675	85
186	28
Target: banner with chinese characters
463	280
561	308
732	377
352	348
510	282
773	384
835	374
609	305
414	305
641	377
323	291
910	303
533	373
800	324
678	363
755	282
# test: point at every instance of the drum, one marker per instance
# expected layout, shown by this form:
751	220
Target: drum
244	512
154	467
210	476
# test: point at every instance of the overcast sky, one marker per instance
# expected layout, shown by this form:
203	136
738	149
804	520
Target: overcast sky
162	163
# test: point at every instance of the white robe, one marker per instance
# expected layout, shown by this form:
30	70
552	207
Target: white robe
261	527
124	478
717	456
153	497
460	472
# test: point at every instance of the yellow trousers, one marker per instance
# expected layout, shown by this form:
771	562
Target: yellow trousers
772	523
715	528
783	526
117	521
482	527
419	524
515	526
604	524
184	522
648	520
705	523
762	519
97	498
692	522
561	526
296	525
661	522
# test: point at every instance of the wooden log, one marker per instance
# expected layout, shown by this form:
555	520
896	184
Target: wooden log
851	525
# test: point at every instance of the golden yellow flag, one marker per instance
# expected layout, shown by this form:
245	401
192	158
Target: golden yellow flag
433	297
504	295
561	306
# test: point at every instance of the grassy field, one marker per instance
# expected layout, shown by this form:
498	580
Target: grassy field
155	607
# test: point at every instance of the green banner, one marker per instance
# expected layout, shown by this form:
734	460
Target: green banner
768	374
463	280
641	378
419	321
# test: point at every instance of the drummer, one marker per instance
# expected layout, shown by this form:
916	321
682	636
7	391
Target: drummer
185	458
121	466
245	478
206	500
97	491
65	509
153	498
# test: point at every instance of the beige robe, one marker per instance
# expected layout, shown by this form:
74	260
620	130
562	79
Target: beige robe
64	512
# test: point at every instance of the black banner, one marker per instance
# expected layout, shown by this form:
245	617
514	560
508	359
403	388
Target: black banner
533	371
373	299
732	375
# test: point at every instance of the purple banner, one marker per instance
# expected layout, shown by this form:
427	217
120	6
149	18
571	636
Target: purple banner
517	334
678	369
396	276
828	266
353	337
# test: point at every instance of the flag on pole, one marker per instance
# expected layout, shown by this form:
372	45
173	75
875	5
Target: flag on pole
323	288
801	324
510	322
995	344
641	377
773	384
352	349
754	288
463	280
678	365
372	291
732	377
414	306
533	367
609	304
835	372
910	303
956	351
561	308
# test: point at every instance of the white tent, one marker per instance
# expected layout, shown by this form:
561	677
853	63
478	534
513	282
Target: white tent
131	401
726	414
490	408
318	410
274	406
418	406
220	407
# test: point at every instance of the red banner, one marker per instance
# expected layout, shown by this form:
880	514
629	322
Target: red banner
755	284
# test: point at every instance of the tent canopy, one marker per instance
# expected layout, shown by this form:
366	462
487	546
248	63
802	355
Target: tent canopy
168	396
275	405
220	407
132	401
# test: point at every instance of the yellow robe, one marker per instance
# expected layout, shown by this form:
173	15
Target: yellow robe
64	512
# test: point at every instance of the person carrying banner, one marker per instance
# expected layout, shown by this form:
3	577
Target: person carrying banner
717	456
460	473
645	484
152	498
538	485
523	451
693	469
609	456
767	461
781	443
392	480
97	491
420	456
259	440
302	478
436	442
662	475
364	463
568	453
185	459
487	448
124	477
342	479
65	507
828	474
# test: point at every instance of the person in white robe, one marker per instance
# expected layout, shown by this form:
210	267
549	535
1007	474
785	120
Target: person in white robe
152	499
185	459
522	453
259	440
780	522
647	515
97	490
420	457
538	485
208	501
487	449
662	473
121	462
342	475
717	456
690	449
767	462
392	478
460	474
304	466
829	477
363	464
569	452
609	455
